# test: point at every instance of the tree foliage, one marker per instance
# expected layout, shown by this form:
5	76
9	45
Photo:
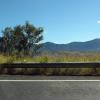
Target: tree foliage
21	40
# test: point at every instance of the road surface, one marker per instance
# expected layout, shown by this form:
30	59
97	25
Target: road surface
49	90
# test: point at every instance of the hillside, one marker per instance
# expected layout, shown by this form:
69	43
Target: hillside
92	45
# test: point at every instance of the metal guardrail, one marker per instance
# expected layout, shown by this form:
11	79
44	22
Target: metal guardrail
53	65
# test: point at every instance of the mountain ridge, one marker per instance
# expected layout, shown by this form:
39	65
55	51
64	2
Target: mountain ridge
91	45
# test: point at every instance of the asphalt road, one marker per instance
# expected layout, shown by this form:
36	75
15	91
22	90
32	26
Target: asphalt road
49	90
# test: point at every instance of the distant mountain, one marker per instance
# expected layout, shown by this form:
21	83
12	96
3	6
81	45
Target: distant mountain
93	45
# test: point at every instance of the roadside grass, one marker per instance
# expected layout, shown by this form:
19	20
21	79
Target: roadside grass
50	71
51	58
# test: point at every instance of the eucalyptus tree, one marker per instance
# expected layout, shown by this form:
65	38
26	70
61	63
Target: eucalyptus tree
22	39
7	40
34	37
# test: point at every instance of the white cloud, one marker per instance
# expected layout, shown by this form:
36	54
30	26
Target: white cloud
98	21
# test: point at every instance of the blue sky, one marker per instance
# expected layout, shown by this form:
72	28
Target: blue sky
63	21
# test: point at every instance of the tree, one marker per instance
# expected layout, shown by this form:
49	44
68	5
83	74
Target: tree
22	39
7	40
33	36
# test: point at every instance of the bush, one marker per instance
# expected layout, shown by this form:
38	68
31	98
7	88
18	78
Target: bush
44	60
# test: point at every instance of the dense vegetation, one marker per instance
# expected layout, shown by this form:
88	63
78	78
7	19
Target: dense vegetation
21	40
